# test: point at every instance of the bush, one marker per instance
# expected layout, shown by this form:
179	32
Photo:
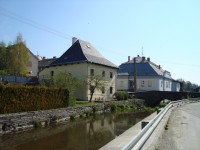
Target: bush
27	98
37	124
113	108
72	116
81	115
121	95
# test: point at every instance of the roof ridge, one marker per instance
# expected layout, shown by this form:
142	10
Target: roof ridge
82	49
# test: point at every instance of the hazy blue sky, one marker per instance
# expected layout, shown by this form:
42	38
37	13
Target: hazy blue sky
169	30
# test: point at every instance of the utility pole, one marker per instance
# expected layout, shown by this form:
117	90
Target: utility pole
135	80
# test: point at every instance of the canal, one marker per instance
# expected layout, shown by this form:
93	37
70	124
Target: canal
81	134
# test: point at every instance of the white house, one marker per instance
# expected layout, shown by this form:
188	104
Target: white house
32	65
83	60
149	76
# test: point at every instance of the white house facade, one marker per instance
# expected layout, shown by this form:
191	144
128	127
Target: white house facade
32	65
82	60
149	77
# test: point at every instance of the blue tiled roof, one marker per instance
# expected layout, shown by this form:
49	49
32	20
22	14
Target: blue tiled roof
82	51
143	68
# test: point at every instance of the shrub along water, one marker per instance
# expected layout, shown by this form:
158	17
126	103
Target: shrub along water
27	98
121	95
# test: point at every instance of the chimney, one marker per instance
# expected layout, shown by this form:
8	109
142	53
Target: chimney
74	39
54	56
143	58
129	58
43	58
148	59
138	55
159	67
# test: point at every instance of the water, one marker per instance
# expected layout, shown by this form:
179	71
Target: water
83	134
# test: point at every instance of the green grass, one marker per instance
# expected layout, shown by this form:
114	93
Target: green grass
82	103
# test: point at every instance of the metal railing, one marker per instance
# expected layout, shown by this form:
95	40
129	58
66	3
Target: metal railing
139	140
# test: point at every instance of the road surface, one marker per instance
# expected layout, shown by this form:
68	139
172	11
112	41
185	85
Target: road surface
184	129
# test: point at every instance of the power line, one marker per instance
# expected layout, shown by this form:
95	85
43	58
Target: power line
34	24
50	30
180	64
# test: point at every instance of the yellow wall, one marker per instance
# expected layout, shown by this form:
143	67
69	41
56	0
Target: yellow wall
82	71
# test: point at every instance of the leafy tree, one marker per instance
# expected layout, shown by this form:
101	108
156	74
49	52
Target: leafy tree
63	80
3	63
187	85
95	82
14	57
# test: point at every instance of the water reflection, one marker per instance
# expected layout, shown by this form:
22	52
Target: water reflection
87	134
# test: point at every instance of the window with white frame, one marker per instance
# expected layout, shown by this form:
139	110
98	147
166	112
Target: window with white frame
103	90
111	90
92	72
121	83
149	83
142	83
103	73
111	74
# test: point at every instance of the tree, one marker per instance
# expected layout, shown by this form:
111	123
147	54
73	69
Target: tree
187	85
95	82
3	63
65	81
14	57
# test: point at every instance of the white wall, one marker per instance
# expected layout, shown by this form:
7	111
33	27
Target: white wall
32	65
122	83
148	84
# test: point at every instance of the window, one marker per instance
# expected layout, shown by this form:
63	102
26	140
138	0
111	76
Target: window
142	83
103	90
121	83
166	84
92	72
103	73
52	73
29	64
111	90
111	74
161	84
149	83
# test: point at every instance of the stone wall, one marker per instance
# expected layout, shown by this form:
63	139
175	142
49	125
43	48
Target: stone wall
16	122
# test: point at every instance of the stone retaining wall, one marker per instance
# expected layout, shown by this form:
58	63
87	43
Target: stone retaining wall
17	122
27	120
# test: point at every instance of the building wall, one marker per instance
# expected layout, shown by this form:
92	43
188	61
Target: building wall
122	83
32	66
147	83
77	70
82	71
110	82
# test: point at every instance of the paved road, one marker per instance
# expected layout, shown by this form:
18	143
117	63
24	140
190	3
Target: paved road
184	129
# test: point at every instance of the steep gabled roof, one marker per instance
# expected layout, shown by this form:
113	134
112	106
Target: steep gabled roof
143	68
33	55
82	51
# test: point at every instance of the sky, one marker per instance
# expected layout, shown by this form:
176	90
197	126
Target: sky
168	31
